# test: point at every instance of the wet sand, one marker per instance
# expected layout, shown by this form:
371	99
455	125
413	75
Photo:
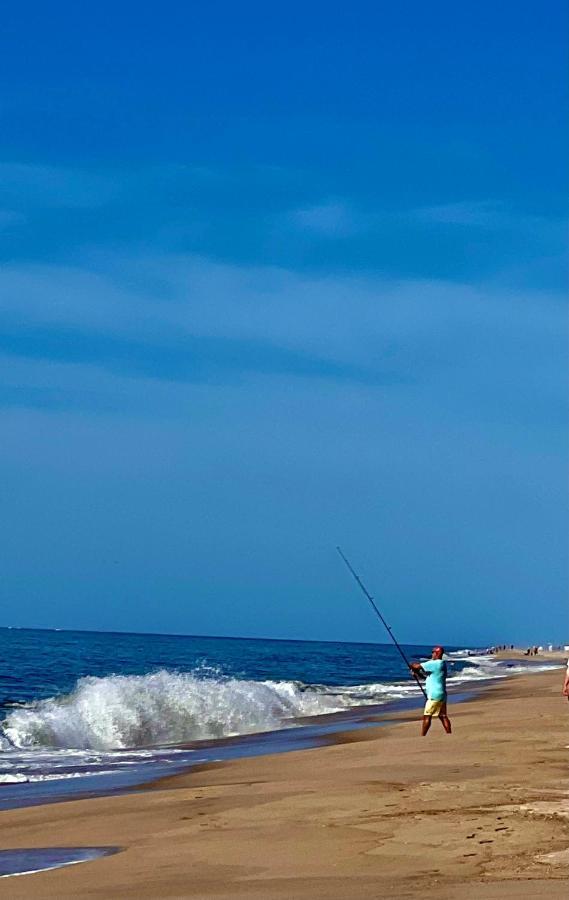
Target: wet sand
483	813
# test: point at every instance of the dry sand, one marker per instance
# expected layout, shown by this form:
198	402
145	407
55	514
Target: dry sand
481	814
543	656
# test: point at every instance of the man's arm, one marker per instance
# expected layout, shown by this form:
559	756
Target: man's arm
418	669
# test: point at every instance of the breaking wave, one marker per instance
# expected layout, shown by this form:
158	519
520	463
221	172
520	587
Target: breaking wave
480	668
128	711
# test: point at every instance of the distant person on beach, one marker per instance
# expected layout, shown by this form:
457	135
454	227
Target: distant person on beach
566	682
435	671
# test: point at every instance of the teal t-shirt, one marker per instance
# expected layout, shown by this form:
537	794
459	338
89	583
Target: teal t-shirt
437	679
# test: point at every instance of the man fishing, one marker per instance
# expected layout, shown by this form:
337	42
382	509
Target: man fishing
435	671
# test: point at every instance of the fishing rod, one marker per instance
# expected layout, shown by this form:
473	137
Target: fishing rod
380	617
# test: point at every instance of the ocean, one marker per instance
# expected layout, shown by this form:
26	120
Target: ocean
95	711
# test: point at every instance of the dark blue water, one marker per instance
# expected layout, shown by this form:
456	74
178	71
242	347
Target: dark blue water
38	859
36	664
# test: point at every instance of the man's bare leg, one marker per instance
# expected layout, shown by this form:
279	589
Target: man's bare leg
426	725
445	721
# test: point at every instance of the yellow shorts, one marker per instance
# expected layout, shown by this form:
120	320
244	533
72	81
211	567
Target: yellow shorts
435	708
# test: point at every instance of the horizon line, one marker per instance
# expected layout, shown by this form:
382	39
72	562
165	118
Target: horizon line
215	636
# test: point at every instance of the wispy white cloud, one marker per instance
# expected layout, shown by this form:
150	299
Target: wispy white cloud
487	214
327	220
480	213
37	186
41	186
192	295
186	318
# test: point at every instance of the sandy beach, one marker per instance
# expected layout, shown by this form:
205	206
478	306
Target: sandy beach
483	813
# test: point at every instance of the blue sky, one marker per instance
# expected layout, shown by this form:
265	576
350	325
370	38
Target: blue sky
275	279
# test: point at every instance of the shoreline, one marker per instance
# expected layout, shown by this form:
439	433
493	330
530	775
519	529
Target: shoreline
375	812
302	733
306	733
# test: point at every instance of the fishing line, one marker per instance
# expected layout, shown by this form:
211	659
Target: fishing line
384	623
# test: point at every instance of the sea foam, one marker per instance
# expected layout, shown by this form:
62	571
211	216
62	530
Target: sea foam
128	711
